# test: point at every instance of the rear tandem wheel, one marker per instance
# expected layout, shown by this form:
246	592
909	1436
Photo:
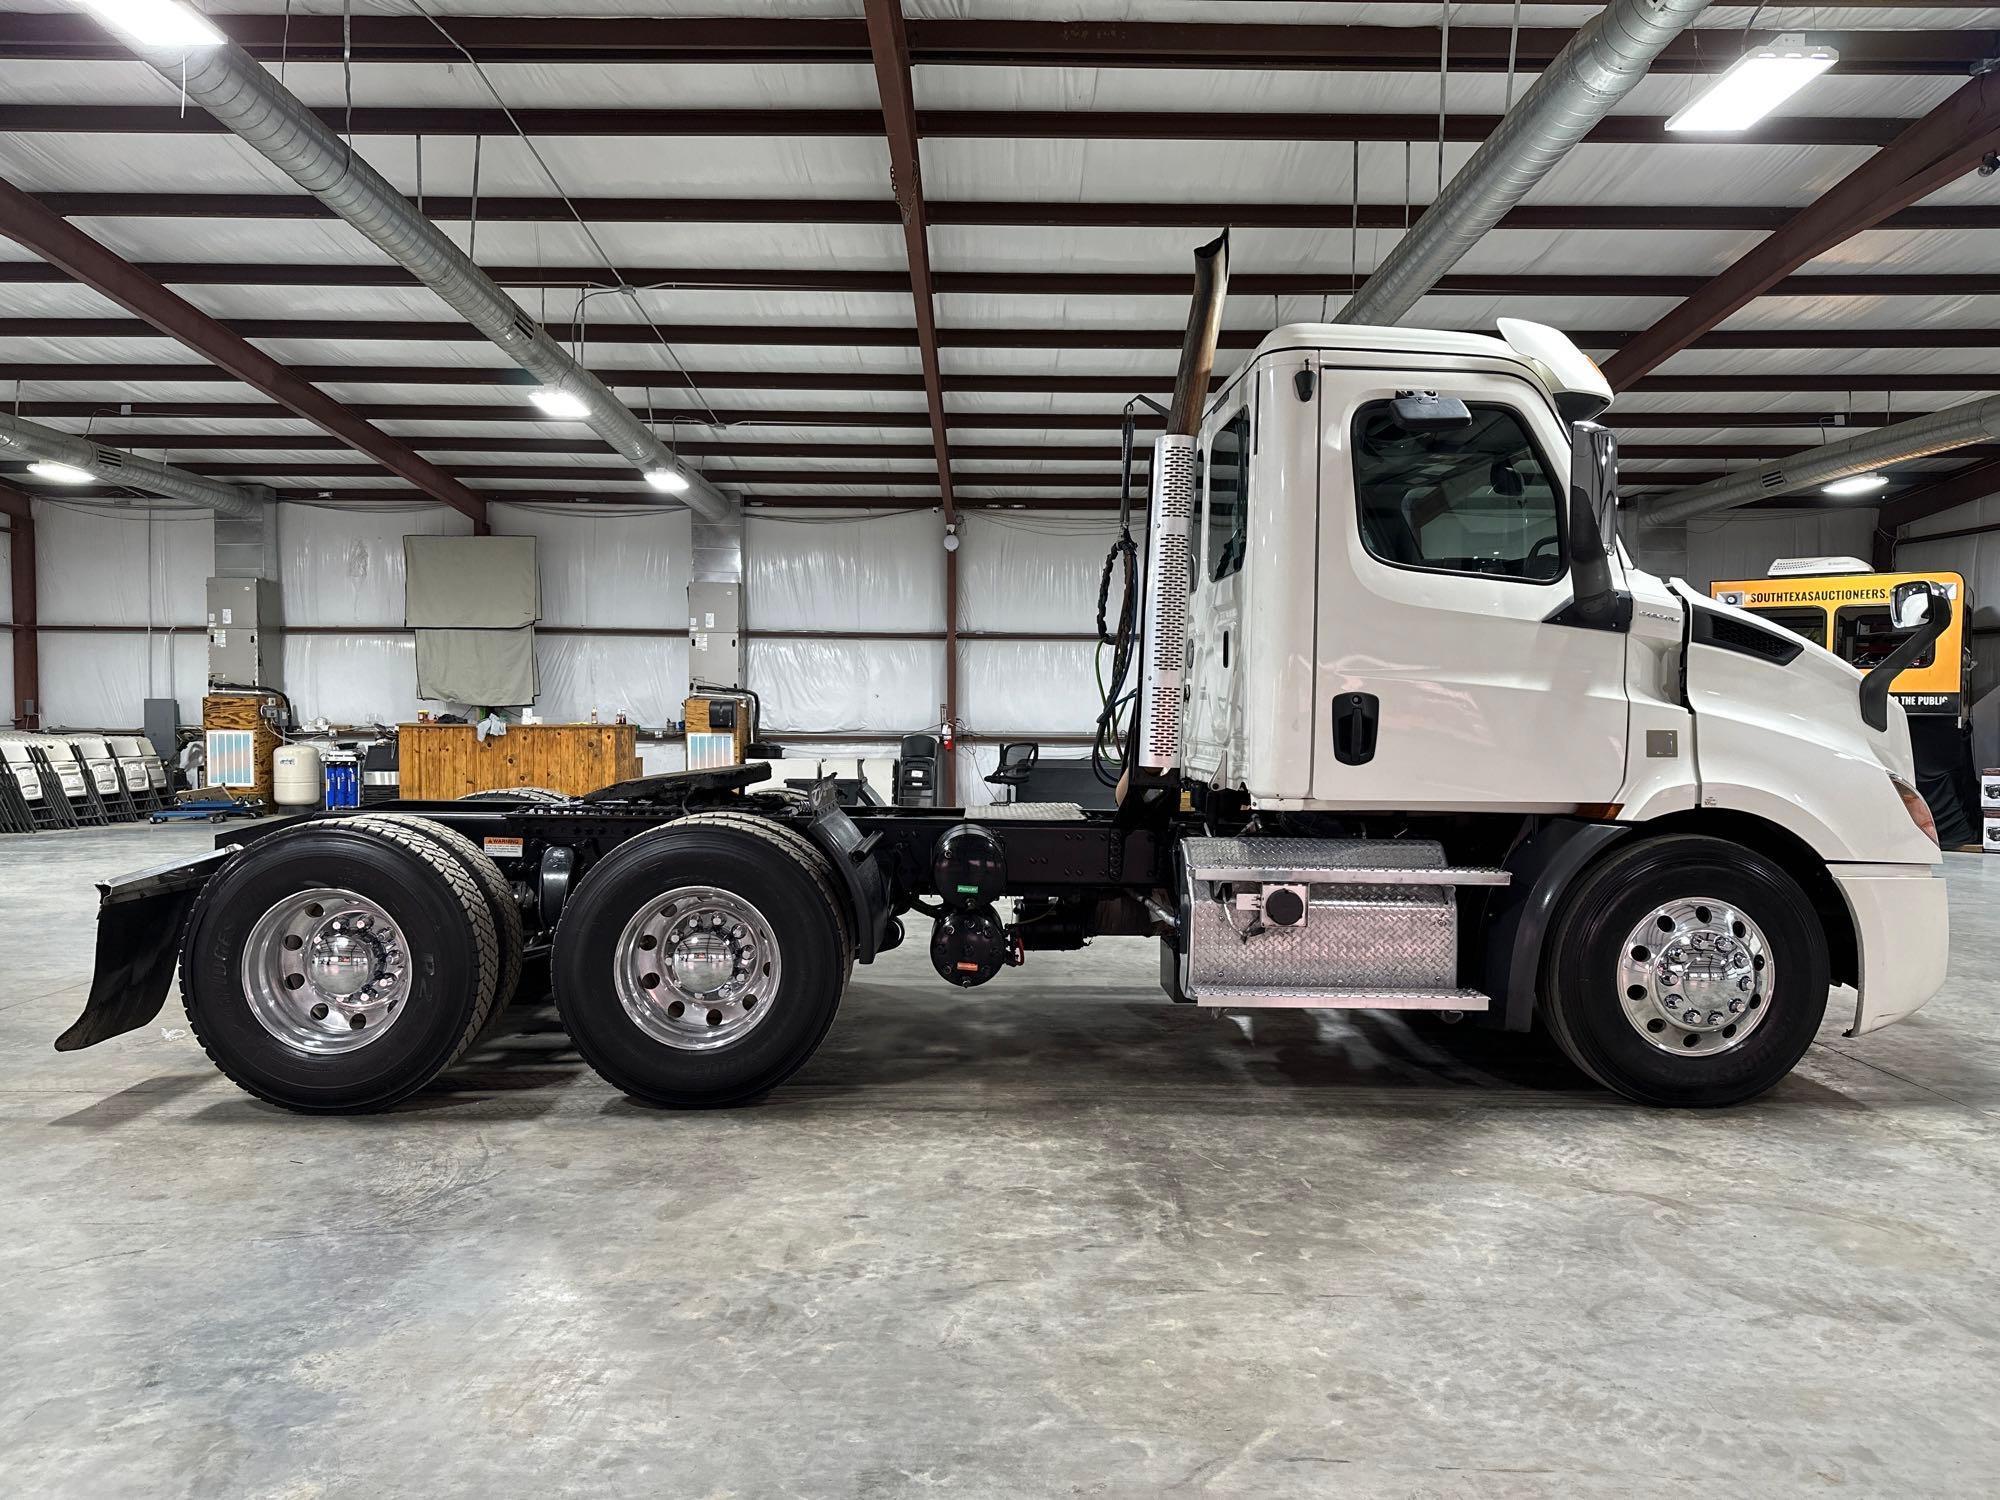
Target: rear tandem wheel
338	967
701	963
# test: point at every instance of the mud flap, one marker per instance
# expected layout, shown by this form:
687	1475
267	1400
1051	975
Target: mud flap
852	856
139	925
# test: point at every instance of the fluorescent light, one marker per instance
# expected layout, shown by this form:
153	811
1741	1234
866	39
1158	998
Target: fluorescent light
62	473
1858	484
1755	84
559	403
673	481
157	23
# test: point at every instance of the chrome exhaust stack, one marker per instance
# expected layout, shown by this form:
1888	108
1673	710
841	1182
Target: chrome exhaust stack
1169	526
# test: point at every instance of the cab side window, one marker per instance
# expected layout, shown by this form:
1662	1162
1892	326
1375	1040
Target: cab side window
1478	499
1229	497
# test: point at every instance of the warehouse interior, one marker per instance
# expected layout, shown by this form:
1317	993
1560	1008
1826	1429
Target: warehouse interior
856	322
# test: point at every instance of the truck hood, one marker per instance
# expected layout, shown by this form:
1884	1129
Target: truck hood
1819	693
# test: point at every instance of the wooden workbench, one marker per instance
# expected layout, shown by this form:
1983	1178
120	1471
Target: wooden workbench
441	761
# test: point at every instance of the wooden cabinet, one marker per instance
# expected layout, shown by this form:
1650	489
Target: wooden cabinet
441	761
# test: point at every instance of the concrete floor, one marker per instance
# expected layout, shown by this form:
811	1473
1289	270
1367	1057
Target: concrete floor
1049	1239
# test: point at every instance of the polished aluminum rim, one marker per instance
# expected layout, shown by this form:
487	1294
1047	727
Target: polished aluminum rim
697	968
326	971
1696	977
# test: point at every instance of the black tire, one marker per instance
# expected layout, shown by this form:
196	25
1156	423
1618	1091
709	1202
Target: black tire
508	927
418	883
778	873
537	794
1584	1009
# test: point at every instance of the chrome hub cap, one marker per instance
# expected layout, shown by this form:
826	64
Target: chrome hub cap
696	968
1696	977
326	971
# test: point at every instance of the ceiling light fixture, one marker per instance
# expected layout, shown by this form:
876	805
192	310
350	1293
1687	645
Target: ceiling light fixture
559	403
62	473
1755	84
157	23
1858	484
673	481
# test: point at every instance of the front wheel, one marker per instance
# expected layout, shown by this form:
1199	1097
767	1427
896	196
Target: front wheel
1686	970
701	963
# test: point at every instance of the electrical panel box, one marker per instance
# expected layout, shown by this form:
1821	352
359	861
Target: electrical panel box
715	634
244	644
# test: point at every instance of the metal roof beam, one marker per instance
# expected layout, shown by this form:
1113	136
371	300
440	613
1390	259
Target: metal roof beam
855	335
1019	283
1945	144
1000	43
1105	421
1003	213
77	255
889	45
958	124
709	381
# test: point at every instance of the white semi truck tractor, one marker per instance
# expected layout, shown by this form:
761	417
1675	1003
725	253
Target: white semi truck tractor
1408	731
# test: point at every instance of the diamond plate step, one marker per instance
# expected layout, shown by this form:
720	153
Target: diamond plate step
1236	998
1350	875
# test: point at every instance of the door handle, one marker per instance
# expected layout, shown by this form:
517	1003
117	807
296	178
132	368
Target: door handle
1356	717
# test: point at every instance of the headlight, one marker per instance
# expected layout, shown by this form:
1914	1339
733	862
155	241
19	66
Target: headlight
1914	804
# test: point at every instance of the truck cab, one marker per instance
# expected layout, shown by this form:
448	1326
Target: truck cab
1384	638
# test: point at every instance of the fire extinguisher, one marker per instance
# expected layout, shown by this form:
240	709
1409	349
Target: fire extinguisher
948	731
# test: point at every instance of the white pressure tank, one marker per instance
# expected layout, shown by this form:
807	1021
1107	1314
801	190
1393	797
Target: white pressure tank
295	776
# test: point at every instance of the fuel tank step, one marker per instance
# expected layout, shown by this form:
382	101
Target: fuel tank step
1330	923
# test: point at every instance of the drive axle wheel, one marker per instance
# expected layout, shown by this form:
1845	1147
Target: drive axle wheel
701	963
1686	971
336	967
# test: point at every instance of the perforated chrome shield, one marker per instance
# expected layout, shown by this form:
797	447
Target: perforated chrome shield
1169	522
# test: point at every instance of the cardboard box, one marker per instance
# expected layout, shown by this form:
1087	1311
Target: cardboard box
1990	826
1989	790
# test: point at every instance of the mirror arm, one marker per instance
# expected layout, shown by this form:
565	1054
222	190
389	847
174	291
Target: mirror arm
1590	562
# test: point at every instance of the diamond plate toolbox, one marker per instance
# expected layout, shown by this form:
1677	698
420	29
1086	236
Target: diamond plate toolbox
1396	937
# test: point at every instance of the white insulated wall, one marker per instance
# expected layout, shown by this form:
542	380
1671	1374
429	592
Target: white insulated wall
143	571
849	608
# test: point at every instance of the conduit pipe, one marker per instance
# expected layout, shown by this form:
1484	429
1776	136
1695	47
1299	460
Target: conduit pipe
1920	437
1589	76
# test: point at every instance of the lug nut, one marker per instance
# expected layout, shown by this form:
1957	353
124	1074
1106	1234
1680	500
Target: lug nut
361	922
1736	1007
1715	1018
1673	1002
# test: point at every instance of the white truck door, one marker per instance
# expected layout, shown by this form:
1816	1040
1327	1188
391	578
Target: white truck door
1442	680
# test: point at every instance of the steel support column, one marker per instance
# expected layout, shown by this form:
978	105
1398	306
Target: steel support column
26	707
